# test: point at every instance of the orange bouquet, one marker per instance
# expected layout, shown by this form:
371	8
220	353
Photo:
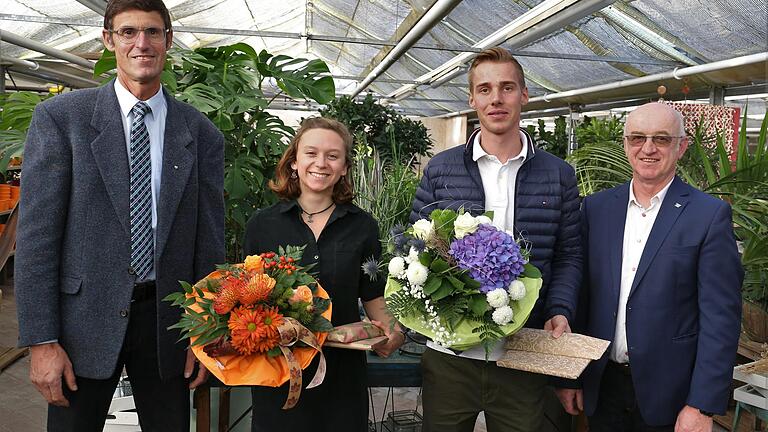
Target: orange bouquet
259	322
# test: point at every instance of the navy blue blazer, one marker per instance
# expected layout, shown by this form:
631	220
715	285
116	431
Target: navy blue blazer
684	307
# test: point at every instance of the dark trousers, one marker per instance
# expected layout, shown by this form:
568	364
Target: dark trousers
456	389
161	405
617	406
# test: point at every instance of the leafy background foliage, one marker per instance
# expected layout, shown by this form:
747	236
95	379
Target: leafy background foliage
381	126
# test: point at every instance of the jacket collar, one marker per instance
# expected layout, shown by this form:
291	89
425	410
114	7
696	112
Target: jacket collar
468	146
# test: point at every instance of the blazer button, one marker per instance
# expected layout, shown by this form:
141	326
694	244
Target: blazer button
131	271
317	256
124	313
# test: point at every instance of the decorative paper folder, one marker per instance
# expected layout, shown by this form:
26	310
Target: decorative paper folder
537	351
358	336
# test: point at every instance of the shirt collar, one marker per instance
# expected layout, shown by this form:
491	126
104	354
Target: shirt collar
127	100
478	151
655	200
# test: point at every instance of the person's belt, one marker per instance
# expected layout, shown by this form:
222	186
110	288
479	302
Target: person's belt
143	291
620	367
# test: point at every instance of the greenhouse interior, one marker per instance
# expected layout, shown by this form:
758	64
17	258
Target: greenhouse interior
396	75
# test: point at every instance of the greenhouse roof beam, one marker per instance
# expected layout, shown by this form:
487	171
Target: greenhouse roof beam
431	18
405	26
34	45
538	22
20	65
362	41
676	74
650	36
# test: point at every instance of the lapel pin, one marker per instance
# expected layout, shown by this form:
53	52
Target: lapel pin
678	205
177	167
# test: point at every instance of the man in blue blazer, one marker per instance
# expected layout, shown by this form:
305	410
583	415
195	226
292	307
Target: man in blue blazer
121	197
663	280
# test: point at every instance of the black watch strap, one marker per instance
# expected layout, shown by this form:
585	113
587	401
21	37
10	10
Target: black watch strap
706	413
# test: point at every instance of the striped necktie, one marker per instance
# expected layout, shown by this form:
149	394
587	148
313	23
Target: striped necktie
142	238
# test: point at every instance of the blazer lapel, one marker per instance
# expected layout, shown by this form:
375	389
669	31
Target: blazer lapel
673	205
177	166
110	152
614	228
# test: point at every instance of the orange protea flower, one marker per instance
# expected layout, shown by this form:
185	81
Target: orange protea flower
254	263
225	300
256	289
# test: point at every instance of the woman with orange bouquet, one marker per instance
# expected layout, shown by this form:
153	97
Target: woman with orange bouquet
316	210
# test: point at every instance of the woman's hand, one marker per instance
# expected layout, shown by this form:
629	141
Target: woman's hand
395	339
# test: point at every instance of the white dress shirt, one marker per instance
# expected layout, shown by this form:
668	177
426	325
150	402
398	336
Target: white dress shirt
637	228
499	182
155	122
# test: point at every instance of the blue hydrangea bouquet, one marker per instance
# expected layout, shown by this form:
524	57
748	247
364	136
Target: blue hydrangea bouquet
459	280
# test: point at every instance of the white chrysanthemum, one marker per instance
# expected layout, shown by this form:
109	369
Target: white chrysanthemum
423	228
483	219
417	273
465	224
396	267
503	315
516	290
497	298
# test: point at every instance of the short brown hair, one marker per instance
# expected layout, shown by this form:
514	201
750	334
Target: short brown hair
288	188
115	7
496	55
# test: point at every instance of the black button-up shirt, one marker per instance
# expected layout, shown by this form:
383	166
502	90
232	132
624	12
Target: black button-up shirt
349	238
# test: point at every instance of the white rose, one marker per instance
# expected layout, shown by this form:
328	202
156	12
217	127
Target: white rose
417	273
423	228
516	290
396	267
465	224
497	298
483	219
503	315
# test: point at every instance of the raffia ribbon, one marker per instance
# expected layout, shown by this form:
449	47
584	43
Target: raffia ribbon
292	331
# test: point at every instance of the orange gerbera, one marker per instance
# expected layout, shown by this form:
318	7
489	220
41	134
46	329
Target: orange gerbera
245	329
256	289
254	329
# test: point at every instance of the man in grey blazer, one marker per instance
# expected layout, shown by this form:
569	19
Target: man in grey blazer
122	197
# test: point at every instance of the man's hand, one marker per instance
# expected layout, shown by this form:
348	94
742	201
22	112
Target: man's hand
189	367
571	399
47	364
690	419
394	340
558	325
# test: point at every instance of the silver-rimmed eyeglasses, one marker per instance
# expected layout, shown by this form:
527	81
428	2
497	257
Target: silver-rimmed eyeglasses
130	34
637	140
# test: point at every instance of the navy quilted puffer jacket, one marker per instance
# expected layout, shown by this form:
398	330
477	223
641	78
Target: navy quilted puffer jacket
546	214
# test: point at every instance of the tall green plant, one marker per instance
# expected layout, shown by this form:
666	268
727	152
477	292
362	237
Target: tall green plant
744	184
555	142
384	187
226	84
378	123
600	161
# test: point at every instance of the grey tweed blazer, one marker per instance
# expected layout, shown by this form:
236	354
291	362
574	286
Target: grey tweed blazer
72	277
